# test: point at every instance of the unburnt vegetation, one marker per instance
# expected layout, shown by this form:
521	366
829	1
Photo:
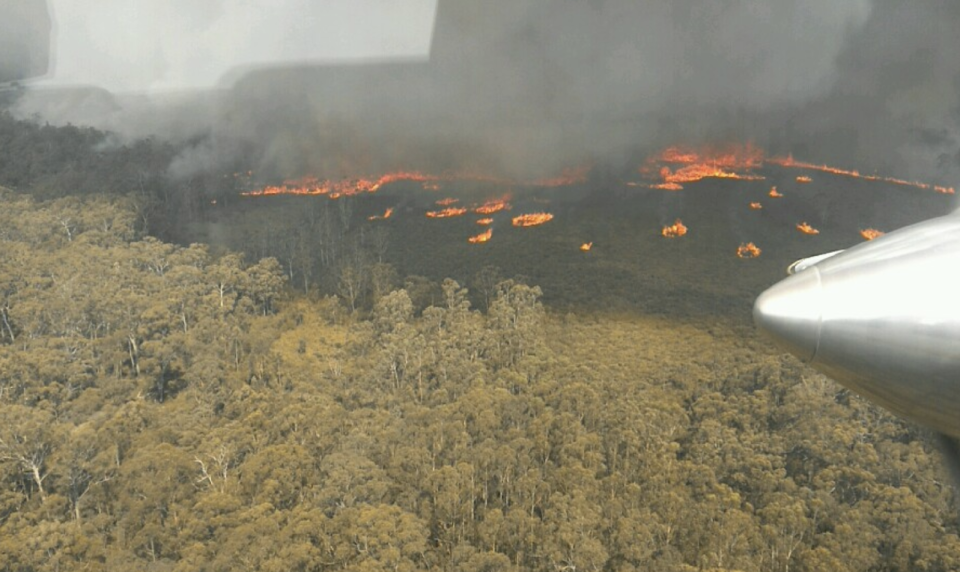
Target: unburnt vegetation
185	407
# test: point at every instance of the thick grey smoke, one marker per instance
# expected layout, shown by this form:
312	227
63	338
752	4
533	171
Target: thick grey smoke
527	87
895	103
24	40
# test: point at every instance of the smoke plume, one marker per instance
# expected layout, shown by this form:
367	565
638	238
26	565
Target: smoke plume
528	87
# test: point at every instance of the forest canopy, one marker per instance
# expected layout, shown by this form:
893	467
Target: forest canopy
290	399
167	408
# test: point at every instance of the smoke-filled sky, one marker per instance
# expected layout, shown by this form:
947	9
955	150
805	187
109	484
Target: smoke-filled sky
520	86
160	45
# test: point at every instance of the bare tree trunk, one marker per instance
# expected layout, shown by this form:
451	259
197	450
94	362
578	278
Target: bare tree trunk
6	323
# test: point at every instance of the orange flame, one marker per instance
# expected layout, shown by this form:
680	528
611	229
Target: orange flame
748	250
532	219
311	185
401	176
732	161
806	228
774	194
675	230
870	233
756	206
789	161
698	171
586	246
335	189
482	237
485	221
726	163
667	186
493	206
386	214
731	156
447	202
447	212
678	155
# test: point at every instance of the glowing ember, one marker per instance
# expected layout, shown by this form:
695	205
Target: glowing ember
586	246
773	194
532	219
748	250
944	190
482	237
806	228
431	186
677	229
485	221
804	179
386	214
493	206
756	206
447	202
447	212
870	233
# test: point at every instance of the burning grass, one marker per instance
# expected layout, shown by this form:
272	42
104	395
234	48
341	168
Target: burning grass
748	250
532	219
448	212
805	228
727	162
482	237
675	230
493	206
789	161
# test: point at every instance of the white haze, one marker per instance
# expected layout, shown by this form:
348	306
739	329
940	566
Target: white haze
175	45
